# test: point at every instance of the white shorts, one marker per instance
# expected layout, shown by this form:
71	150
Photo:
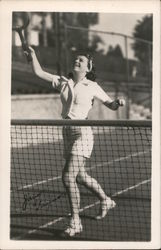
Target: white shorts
78	141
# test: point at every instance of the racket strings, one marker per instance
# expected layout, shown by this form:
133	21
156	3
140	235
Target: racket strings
20	20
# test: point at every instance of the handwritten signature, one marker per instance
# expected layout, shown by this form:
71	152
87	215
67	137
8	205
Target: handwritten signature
36	202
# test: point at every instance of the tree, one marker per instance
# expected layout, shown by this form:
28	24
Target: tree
94	43
143	50
77	38
114	60
115	52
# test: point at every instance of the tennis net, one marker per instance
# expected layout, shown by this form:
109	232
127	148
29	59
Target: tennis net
120	162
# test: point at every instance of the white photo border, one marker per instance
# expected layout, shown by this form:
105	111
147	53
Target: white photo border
111	6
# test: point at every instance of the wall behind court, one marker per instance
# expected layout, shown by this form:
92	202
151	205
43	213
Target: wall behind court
48	106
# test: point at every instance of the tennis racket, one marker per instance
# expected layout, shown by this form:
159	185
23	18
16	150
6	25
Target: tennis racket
20	21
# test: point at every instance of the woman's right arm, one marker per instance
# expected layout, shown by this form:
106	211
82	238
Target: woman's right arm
37	68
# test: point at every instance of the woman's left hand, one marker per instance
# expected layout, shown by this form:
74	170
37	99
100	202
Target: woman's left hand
121	102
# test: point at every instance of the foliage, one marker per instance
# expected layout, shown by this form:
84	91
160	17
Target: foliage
77	39
115	61
143	50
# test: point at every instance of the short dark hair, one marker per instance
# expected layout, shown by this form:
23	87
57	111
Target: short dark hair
91	75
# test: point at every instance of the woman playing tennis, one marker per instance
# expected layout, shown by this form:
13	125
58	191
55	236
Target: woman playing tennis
77	93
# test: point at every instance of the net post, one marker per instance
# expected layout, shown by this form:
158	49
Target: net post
127	77
66	48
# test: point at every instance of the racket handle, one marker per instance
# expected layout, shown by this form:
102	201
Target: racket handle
24	45
27	52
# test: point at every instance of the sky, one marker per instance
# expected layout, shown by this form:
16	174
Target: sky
120	23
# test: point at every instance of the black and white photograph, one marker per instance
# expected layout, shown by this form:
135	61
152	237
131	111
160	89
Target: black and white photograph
82	89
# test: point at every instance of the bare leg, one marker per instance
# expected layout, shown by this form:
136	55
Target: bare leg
71	170
105	202
91	184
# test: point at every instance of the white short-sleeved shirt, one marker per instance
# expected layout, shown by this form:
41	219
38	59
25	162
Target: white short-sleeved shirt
77	99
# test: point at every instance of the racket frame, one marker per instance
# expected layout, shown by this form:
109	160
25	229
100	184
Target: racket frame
25	47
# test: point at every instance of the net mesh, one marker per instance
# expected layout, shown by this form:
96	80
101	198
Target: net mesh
120	162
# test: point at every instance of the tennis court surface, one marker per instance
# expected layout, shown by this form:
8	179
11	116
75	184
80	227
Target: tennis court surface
120	162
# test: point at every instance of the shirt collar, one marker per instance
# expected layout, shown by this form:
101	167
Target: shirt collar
84	81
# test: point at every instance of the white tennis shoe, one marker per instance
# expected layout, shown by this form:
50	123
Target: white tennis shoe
105	206
74	227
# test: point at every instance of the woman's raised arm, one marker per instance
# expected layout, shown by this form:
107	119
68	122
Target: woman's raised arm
37	69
